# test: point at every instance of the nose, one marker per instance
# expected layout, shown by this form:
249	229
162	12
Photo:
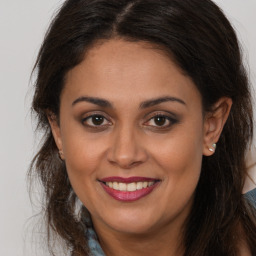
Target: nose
126	150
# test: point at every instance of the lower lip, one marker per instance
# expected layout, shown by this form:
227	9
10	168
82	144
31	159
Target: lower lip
128	196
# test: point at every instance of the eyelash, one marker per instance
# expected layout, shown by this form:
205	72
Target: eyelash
171	121
95	126
88	122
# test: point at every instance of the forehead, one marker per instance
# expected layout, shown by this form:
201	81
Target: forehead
116	69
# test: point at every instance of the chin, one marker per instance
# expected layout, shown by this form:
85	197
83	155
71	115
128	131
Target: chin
132	227
132	221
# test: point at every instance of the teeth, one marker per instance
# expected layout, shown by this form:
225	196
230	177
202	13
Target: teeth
122	187
115	185
139	185
129	186
145	184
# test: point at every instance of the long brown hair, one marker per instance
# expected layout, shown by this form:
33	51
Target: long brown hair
201	41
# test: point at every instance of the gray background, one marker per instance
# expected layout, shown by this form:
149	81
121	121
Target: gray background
22	26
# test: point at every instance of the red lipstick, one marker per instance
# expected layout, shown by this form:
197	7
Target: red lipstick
129	196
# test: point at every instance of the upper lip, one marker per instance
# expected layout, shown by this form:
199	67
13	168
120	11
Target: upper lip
127	180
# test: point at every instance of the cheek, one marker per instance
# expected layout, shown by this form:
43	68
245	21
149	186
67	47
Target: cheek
183	148
181	165
82	163
82	156
180	157
82	151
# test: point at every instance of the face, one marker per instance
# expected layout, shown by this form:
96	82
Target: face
132	134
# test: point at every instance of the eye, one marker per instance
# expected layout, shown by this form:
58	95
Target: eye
161	121
96	120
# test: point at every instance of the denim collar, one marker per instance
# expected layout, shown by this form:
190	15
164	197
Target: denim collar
251	197
93	243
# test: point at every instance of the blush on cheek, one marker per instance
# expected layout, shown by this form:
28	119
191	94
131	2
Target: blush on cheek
182	162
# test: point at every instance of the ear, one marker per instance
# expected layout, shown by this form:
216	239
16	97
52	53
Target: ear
214	122
56	132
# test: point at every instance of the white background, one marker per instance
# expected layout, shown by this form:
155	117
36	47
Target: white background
22	26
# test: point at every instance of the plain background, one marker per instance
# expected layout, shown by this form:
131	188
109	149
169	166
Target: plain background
22	27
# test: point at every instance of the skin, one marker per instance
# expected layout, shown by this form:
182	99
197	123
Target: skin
130	142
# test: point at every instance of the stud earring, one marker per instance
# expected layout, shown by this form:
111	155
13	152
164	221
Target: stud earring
213	147
61	155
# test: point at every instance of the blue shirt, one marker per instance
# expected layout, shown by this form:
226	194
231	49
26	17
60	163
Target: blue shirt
251	196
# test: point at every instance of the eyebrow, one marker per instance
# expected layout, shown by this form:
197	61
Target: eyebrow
156	101
97	101
145	104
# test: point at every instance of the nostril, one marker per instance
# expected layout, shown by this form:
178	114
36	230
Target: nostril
124	163
126	150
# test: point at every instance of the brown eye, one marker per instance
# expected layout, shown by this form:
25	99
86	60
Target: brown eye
96	121
160	120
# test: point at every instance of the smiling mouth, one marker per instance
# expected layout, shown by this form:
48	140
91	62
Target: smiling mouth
128	189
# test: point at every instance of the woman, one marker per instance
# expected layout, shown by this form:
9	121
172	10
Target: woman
133	97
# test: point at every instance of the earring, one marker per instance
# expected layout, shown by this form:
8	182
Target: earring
213	147
61	155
